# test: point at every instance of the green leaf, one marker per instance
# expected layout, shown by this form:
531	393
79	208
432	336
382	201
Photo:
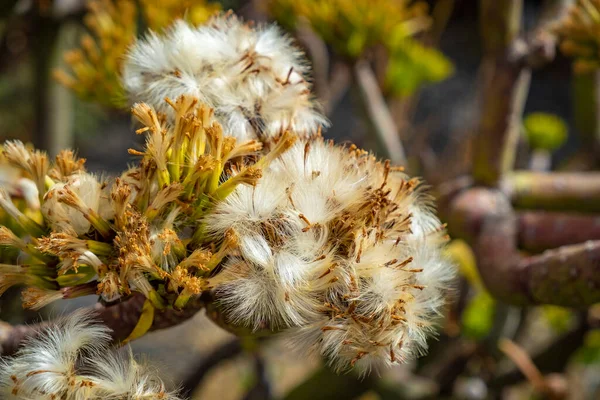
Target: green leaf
413	65
356	43
144	323
589	353
478	317
462	255
545	131
560	319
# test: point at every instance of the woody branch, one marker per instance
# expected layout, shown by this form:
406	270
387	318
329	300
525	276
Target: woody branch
121	318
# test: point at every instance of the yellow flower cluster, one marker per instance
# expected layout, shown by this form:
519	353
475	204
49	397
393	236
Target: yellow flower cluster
580	35
95	67
351	27
140	232
354	27
160	14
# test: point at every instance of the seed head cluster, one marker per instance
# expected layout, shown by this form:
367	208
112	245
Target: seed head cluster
142	230
339	250
72	360
95	67
252	76
234	198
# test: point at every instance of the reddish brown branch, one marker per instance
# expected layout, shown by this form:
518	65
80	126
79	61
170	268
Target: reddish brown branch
121	318
541	230
503	92
567	276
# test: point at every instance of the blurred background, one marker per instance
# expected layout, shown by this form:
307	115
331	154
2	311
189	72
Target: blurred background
413	81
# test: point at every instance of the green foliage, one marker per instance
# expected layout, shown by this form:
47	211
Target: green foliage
354	28
589	353
478	316
412	65
545	131
560	319
462	255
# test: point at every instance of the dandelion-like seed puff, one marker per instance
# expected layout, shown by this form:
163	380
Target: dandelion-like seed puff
72	360
341	251
253	76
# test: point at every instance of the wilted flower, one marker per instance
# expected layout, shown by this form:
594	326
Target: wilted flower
76	204
33	163
72	360
253	77
339	248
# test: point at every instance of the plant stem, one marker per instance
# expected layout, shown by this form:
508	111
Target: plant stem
542	230
503	92
567	276
378	112
227	351
578	192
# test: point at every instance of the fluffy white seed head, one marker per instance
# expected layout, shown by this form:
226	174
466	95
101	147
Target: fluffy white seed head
73	361
342	252
252	75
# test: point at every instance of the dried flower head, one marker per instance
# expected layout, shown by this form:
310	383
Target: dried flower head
18	182
341	250
76	204
33	163
253	77
72	360
142	232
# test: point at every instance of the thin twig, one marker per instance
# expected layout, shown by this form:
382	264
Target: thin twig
339	83
222	353
524	363
551	359
378	112
318	54
553	387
